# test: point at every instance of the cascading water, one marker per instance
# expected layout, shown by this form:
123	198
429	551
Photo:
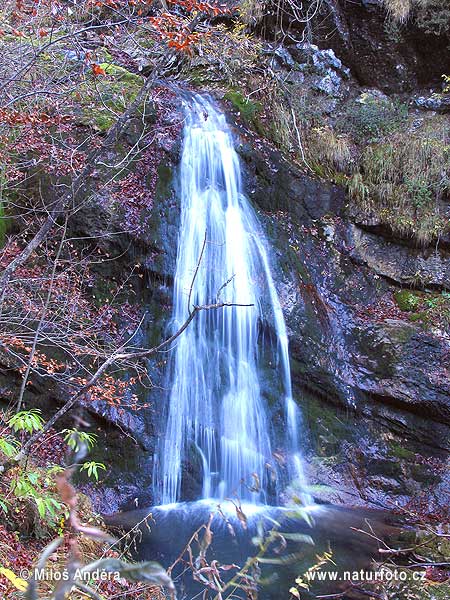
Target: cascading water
217	415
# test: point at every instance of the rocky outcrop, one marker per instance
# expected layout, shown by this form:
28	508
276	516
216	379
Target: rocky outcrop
373	384
380	53
404	265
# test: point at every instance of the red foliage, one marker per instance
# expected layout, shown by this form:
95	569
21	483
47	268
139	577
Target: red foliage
176	30
20	555
14	117
97	70
381	310
437	574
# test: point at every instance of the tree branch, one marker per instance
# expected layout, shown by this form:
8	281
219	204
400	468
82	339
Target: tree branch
119	355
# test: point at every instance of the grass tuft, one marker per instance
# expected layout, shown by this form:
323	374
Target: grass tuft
334	153
405	181
399	10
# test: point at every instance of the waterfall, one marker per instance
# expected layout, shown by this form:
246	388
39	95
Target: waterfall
218	417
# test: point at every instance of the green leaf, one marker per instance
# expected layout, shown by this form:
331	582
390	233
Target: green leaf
3	506
33	477
27	420
75	439
92	468
9	447
150	572
41	507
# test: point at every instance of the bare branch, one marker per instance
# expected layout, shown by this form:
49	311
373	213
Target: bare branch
119	355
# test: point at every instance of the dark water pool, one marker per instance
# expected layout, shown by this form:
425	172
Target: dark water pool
199	541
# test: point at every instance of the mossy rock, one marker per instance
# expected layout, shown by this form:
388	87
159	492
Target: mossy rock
248	109
398	451
406	300
99	120
164	182
422	474
111	95
421	316
121	73
199	76
328	428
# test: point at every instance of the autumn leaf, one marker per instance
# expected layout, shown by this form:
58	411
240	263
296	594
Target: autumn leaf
19	583
97	70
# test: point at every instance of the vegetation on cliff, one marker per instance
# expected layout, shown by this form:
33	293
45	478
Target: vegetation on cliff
88	115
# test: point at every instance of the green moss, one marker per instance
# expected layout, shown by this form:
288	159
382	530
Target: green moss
115	91
419	316
164	182
199	76
327	428
339	179
423	474
400	452
329	174
147	43
99	120
248	109
406	300
318	170
119	73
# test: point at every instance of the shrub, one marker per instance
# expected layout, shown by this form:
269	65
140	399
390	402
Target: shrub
372	118
27	420
432	16
406	301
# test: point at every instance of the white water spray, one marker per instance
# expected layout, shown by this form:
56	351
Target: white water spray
218	420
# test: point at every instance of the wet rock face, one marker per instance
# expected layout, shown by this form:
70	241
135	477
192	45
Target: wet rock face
337	282
144	259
